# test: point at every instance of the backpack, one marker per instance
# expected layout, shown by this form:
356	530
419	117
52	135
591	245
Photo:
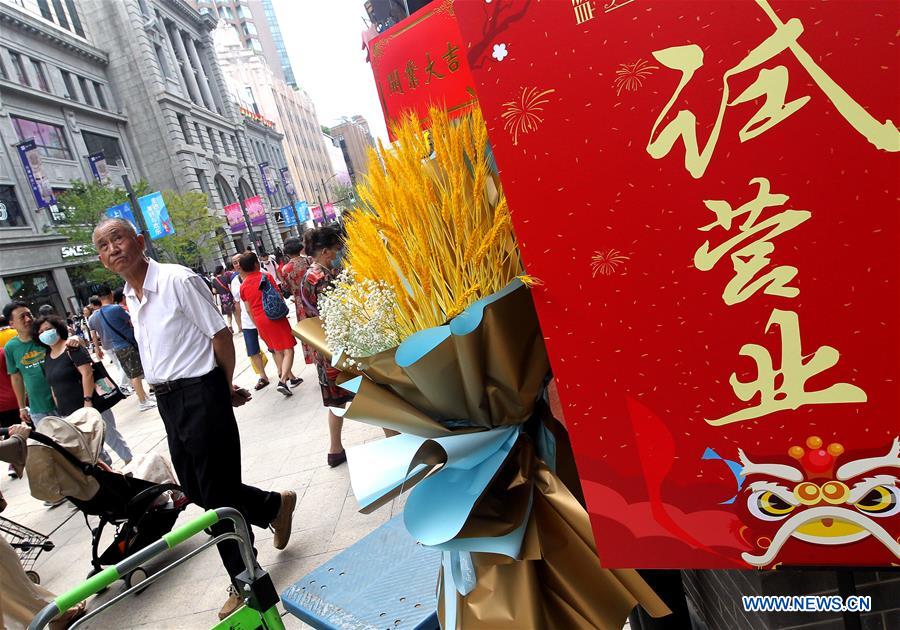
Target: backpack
273	304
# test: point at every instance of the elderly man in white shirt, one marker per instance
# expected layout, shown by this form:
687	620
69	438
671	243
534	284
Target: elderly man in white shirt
188	356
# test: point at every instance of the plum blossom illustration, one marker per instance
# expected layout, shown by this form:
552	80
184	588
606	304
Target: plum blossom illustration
500	52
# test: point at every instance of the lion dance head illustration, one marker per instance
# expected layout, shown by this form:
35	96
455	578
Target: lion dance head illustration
828	506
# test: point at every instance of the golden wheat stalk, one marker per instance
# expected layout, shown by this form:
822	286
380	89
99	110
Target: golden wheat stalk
427	225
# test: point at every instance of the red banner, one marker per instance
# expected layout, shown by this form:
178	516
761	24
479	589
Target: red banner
421	62
720	264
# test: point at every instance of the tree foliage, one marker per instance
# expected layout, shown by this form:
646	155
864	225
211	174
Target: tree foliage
85	205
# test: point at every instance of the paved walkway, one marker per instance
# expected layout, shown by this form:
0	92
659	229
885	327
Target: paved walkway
284	445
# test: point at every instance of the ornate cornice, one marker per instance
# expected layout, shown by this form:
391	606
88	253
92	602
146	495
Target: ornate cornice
14	18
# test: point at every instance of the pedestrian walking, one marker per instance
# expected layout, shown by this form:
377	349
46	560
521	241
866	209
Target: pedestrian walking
25	365
70	374
112	323
292	274
248	328
189	357
323	245
221	286
275	332
9	406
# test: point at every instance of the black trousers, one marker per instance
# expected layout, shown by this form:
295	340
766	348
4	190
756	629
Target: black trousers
206	451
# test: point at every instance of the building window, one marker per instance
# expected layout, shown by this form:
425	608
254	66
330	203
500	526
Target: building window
212	139
50	139
224	141
85	91
244	12
161	60
70	85
40	75
185	131
101	100
10	212
35	290
44	7
254	44
204	185
3	74
250	28
200	135
110	146
19	69
73	15
60	14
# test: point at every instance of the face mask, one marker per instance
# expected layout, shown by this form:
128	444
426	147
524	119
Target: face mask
338	259
49	337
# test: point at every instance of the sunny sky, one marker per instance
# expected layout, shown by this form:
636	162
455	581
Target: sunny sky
324	43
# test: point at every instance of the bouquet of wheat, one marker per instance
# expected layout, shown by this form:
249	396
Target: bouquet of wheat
433	326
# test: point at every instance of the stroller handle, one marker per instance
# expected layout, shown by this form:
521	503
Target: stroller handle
107	576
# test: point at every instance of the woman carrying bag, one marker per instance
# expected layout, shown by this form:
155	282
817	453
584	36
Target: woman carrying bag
70	374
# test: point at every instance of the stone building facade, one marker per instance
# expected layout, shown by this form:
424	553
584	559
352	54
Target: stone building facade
55	88
354	139
188	133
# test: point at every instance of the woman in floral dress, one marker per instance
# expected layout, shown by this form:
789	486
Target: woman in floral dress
323	246
292	274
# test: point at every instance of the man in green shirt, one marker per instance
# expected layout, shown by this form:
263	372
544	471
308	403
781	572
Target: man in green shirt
25	365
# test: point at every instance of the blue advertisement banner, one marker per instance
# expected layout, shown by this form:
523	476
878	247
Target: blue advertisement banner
156	215
34	171
268	184
123	211
288	216
286	180
98	166
302	209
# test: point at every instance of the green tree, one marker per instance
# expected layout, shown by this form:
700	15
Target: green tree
344	195
195	229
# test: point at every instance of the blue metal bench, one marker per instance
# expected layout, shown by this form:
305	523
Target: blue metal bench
384	581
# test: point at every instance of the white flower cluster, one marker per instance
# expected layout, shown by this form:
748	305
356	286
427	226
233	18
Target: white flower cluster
359	317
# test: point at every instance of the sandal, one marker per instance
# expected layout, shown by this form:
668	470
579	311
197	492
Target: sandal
260	384
69	617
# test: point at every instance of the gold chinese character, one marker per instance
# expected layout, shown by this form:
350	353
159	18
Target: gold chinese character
770	83
430	71
785	388
411	79
749	258
451	58
584	11
394	82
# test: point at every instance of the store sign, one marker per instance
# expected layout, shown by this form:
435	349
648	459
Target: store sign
422	61
288	216
156	216
76	251
34	171
235	217
123	211
286	181
268	182
302	209
255	210
719	289
99	167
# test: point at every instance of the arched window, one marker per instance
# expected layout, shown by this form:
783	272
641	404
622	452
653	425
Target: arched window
226	194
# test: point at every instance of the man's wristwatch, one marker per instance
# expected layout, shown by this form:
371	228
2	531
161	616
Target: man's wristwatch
88	399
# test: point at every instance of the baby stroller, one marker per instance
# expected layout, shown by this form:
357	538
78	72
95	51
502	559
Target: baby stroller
63	463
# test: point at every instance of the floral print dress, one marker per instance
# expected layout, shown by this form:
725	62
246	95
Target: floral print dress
316	280
292	273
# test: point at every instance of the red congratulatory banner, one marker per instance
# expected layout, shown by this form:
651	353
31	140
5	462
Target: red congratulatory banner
421	61
708	191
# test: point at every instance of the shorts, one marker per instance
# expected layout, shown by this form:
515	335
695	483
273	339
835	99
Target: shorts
130	360
251	340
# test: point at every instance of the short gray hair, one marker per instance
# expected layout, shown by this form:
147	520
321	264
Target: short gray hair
105	221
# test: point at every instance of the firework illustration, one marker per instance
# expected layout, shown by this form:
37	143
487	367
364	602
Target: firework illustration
630	76
606	262
523	114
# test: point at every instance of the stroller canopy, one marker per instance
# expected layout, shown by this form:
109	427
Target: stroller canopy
50	476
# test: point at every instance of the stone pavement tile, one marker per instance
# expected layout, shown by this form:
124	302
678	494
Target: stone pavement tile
286	573
353	525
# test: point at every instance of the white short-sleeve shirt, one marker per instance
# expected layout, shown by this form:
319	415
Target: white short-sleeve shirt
246	322
174	323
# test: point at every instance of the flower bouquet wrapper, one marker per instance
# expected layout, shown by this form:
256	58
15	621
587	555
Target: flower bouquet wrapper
479	453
